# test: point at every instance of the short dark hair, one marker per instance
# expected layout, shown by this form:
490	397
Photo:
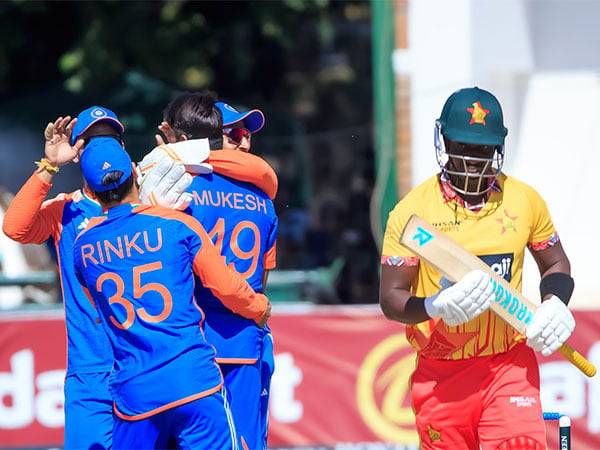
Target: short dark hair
195	115
117	194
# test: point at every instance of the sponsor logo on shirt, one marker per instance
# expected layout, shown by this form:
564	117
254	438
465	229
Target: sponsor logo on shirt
522	401
447	225
500	263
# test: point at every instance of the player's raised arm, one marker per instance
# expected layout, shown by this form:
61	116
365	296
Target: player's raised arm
28	218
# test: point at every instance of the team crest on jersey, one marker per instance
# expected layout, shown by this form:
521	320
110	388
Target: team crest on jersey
478	113
508	222
500	263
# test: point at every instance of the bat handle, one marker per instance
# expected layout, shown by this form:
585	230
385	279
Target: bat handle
578	360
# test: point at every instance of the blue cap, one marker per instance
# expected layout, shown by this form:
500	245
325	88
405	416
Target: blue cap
253	120
103	155
92	115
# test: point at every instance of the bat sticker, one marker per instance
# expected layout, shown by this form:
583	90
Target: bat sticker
422	236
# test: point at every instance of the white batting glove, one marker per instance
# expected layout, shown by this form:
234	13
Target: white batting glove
462	301
165	184
192	154
551	326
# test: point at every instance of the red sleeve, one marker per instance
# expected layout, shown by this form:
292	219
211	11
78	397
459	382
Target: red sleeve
245	167
30	220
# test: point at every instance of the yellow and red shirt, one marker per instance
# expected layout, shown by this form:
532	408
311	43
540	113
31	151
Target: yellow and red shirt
514	217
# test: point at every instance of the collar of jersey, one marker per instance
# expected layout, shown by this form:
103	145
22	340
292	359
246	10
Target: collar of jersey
120	210
87	195
450	195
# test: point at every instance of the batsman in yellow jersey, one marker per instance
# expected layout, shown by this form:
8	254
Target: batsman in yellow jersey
476	383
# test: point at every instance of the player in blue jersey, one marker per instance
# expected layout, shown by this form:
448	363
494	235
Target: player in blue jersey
137	264
238	128
242	223
30	219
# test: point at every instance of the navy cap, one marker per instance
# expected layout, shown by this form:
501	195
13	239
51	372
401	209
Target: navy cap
92	115
103	155
253	120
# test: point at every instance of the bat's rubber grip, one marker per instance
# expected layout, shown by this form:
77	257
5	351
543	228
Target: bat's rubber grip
578	360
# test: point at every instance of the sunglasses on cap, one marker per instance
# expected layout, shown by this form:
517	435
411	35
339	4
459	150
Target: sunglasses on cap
237	134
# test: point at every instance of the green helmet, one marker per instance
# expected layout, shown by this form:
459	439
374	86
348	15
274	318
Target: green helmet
473	116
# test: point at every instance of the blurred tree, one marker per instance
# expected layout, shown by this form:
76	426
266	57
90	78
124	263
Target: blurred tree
305	63
135	53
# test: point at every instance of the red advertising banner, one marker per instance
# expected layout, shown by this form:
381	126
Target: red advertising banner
341	381
32	375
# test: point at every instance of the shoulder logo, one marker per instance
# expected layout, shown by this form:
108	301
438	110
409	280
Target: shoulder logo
478	113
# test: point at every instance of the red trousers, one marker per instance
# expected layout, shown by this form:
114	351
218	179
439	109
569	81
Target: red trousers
490	402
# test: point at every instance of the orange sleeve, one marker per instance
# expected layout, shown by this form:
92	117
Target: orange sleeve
270	258
30	220
245	167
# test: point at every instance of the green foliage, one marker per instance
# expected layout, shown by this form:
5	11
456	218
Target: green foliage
305	63
278	52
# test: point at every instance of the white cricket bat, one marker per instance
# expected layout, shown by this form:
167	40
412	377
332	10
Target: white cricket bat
453	262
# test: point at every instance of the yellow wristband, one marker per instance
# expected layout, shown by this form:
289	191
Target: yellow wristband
44	164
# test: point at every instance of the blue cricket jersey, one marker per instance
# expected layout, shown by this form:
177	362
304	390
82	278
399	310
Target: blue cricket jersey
137	264
241	221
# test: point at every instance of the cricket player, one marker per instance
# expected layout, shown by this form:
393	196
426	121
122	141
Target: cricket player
137	264
238	128
30	219
476	383
241	221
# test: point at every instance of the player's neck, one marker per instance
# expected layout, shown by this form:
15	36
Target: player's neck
131	198
473	199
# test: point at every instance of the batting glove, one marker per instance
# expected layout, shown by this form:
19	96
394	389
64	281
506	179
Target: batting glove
192	154
551	326
166	185
462	301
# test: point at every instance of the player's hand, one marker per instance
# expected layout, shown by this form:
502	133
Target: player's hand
58	150
551	326
462	301
165	183
266	316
